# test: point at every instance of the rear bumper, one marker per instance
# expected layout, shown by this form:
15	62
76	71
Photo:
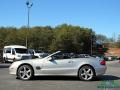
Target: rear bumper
101	70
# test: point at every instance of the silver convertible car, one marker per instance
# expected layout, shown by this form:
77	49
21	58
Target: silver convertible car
58	65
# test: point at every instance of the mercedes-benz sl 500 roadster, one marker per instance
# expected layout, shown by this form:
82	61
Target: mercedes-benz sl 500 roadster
56	64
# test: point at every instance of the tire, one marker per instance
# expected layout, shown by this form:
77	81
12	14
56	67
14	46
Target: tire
5	60
86	73
25	72
14	60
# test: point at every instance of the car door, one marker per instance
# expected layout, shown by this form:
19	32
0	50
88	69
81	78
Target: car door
10	54
58	66
7	54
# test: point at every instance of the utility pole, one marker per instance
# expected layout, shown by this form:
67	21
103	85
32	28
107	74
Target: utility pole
29	5
91	50
114	39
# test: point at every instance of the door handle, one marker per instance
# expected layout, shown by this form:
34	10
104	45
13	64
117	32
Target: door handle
70	61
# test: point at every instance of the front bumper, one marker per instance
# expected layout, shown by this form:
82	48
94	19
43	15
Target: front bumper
13	68
12	71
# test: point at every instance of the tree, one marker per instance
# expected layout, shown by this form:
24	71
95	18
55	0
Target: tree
67	38
70	38
118	41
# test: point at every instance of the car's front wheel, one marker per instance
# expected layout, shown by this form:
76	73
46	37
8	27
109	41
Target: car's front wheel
5	60
86	73
25	72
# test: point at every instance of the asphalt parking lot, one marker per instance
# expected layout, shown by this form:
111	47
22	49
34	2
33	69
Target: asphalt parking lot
112	77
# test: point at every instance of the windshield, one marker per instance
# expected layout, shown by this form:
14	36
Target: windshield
21	50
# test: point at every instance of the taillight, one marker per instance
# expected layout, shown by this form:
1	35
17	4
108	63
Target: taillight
103	62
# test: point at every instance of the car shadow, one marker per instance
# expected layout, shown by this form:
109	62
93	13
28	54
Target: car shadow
71	78
54	78
106	78
5	65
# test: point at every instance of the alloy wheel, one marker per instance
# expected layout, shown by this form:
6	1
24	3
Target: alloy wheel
86	73
25	72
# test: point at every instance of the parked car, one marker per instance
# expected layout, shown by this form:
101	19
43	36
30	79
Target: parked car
84	68
15	52
110	58
118	57
37	53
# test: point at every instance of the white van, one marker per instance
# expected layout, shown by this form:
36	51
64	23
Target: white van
15	52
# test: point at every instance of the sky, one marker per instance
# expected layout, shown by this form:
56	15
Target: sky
102	16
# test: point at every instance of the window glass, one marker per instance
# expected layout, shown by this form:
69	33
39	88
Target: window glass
60	56
8	50
13	52
21	50
30	51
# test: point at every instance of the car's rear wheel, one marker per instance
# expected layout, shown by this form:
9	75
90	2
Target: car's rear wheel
25	72
86	73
